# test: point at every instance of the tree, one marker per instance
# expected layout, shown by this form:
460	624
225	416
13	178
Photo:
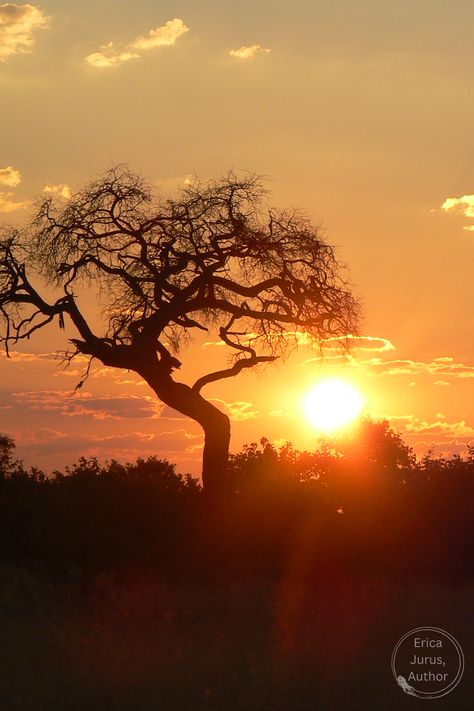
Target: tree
7	448
213	258
375	444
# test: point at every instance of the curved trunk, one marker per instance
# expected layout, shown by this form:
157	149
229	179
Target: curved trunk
216	426
216	453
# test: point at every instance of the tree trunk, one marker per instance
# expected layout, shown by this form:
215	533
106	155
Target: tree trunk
216	453
216	426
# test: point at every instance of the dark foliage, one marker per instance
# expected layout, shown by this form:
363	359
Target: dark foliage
360	506
122	587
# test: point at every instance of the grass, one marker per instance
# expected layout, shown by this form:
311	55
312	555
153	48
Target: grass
131	641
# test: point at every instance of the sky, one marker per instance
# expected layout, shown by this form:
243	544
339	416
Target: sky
358	112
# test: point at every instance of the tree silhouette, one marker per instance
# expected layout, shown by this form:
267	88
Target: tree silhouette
214	258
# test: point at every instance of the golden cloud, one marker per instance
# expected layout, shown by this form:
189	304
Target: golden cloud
360	343
62	190
440	367
463	205
248	52
10	177
108	56
49	443
238	411
17	24
410	424
119	407
9	205
32	357
165	36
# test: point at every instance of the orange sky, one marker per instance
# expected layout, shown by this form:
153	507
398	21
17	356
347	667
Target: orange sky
359	112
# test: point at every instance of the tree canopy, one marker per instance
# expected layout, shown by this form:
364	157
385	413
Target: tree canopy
213	258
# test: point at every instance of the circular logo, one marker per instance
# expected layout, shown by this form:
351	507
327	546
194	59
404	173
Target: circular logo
427	662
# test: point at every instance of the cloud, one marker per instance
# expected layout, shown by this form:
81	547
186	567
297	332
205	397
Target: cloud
463	205
248	52
165	36
409	424
439	436
8	204
238	411
352	344
443	447
62	190
460	206
349	342
49	443
360	343
111	56
168	413
16	355
457	429
85	405
108	56
17	24
441	367
10	177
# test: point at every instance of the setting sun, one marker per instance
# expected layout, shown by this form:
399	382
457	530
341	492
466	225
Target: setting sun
332	404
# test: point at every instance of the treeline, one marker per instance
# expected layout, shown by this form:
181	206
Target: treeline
358	506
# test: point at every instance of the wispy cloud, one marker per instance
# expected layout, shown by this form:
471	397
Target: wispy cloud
47	443
110	55
86	405
10	177
442	368
62	190
8	204
463	205
248	52
360	343
33	357
238	411
410	424
17	25
347	347
165	36
349	342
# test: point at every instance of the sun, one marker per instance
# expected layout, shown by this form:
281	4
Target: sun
332	404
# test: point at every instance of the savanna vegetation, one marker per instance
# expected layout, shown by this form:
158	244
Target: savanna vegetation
215	259
124	587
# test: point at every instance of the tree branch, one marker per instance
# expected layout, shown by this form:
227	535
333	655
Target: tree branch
231	372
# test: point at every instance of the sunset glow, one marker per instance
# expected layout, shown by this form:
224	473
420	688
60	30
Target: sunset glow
332	404
356	114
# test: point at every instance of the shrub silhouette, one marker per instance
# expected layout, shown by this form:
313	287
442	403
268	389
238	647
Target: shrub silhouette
343	508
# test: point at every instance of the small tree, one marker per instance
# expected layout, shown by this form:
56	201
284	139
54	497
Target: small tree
7	448
214	258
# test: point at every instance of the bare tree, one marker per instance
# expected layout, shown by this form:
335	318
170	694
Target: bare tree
215	258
